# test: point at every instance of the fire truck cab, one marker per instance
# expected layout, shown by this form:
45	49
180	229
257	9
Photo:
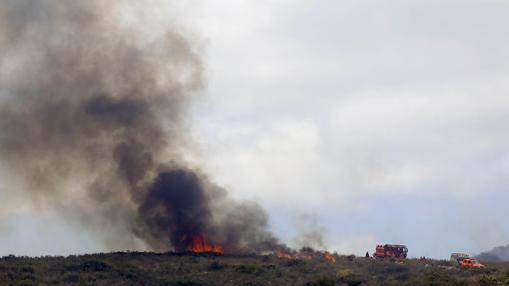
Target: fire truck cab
470	263
465	260
391	251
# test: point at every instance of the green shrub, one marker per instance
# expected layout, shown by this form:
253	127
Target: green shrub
322	281
184	283
90	266
294	262
352	279
487	280
215	266
393	268
72	278
249	269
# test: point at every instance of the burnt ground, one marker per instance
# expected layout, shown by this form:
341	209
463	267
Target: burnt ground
139	268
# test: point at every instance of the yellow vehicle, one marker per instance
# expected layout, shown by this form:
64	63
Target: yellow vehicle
457	256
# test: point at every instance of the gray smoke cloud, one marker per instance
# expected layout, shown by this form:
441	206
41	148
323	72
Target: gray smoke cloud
91	125
309	232
497	254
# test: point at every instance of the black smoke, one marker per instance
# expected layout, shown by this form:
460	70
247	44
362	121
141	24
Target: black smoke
176	207
92	126
497	254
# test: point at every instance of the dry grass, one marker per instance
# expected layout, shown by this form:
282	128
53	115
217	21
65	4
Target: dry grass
136	268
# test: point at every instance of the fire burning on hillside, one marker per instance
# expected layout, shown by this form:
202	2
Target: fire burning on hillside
102	116
199	244
306	253
91	125
329	257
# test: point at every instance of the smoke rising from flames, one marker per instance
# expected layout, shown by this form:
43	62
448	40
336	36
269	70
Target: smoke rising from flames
91	125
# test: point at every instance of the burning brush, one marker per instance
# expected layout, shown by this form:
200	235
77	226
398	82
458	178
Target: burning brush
91	125
306	253
199	244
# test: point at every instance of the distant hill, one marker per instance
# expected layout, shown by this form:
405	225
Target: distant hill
497	254
173	269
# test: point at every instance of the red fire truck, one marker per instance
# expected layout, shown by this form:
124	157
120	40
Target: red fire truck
390	251
470	263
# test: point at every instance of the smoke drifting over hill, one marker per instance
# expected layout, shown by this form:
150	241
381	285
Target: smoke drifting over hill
91	126
497	254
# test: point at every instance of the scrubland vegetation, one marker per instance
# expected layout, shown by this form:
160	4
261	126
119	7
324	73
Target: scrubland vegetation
137	268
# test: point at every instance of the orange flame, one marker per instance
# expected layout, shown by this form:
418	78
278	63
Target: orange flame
200	244
281	253
308	255
329	257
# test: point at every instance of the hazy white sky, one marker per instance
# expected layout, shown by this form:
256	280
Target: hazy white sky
385	121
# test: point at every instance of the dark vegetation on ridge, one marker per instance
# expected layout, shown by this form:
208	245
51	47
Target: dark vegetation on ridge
139	268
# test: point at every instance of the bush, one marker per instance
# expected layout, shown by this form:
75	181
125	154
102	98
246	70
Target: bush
322	281
352	279
294	262
90	266
215	266
184	283
249	269
487	280
72	278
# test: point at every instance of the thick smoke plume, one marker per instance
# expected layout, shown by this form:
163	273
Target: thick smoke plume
91	124
497	254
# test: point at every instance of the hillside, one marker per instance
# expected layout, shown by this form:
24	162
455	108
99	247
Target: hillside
137	268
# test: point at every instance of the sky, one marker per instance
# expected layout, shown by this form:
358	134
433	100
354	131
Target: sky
371	121
386	121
